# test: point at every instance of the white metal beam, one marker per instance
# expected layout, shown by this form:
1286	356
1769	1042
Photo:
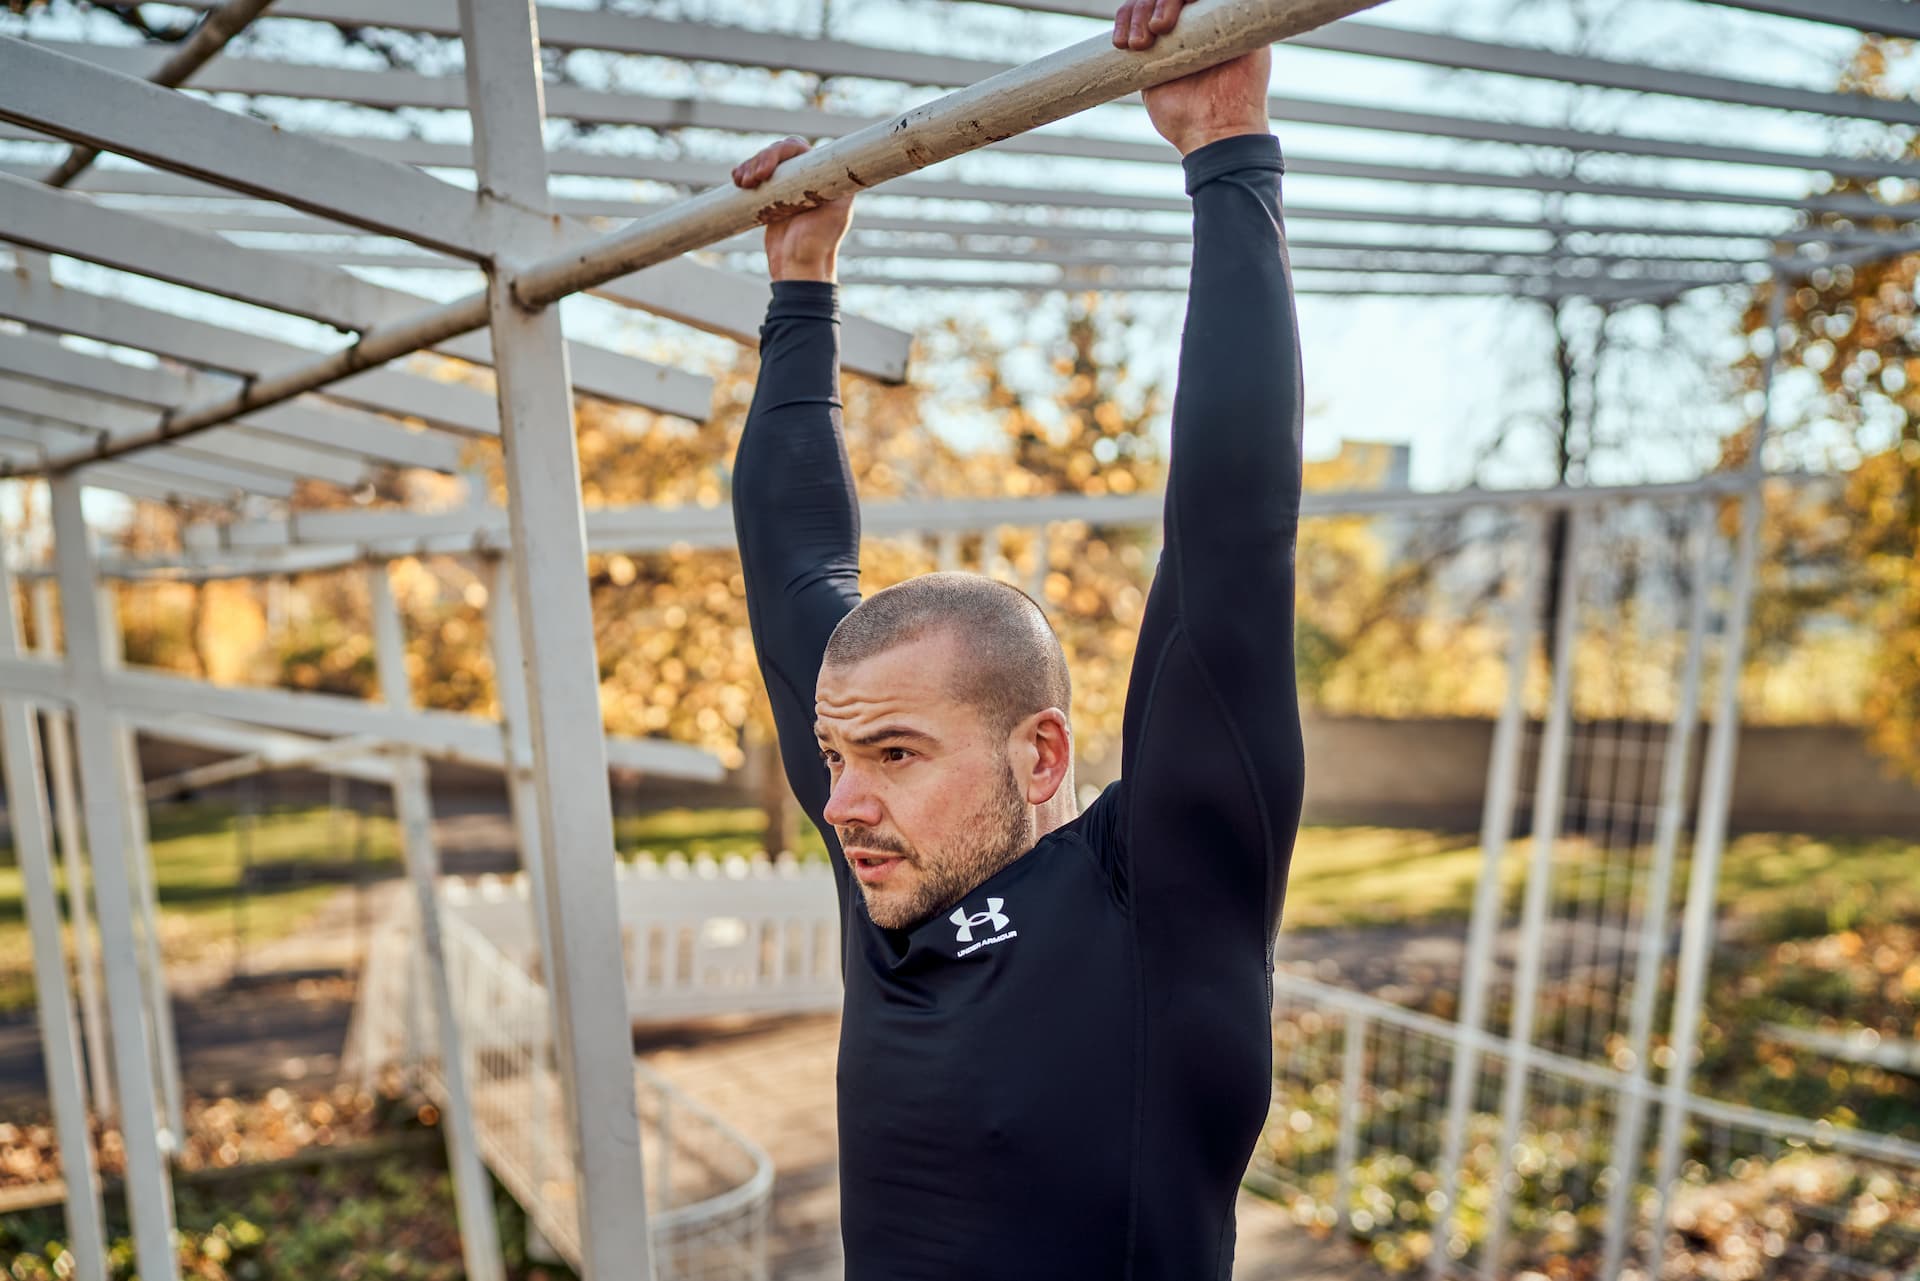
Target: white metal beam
694	173
1882	17
63	223
1456	54
1049	89
209	38
149	1195
327	421
620	32
140	183
82	416
413	807
394	89
84	103
581	927
53	998
41	359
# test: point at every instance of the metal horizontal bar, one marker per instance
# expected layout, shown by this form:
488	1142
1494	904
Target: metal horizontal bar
562	28
324	423
265	218
64	223
89	105
231	736
1882	17
390	533
389	89
1456	54
711	175
1048	89
76	100
23	445
140	183
156	703
1354	286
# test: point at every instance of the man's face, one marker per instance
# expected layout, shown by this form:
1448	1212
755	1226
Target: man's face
924	797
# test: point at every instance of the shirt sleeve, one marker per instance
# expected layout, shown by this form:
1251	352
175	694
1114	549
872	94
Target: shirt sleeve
798	522
1212	770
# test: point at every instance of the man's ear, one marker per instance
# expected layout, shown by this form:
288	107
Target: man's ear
1045	741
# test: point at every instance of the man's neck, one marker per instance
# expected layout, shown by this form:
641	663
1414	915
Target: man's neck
1062	809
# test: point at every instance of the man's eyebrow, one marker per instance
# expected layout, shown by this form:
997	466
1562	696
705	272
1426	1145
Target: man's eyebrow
885	734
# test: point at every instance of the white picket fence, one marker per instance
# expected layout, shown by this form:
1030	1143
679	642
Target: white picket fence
701	938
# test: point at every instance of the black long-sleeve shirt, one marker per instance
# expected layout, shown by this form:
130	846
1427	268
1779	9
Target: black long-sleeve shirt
1065	1077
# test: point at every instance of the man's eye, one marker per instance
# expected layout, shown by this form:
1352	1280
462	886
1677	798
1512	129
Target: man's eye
829	758
895	754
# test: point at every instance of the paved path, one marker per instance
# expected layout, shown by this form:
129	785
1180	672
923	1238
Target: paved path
773	1080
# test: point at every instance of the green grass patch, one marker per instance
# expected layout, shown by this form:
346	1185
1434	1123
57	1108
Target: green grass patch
196	852
714	832
388	1217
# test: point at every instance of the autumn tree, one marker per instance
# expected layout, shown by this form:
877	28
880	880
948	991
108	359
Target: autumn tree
1853	555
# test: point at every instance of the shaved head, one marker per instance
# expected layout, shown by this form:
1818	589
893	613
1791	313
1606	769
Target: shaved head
1012	665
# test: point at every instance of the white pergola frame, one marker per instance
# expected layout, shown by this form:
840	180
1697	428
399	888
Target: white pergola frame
238	414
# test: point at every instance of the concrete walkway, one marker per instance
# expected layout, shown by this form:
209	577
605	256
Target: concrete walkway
773	1080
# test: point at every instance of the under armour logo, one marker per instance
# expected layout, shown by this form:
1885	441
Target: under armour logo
993	914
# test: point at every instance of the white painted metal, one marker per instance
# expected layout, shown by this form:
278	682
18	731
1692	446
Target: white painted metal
1886	17
87	104
1716	787
555	614
1549	794
1457	54
632	33
328	422
64	223
318	757
43	360
146	890
66	815
1629	1133
149	1195
83	416
274	750
53	999
413	807
1346	1148
723	45
1523	590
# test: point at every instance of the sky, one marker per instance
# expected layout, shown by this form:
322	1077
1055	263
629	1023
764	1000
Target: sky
1444	375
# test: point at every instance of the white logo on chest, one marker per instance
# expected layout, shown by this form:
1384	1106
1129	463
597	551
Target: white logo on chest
993	918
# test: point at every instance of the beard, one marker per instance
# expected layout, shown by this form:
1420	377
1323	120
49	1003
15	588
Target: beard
994	835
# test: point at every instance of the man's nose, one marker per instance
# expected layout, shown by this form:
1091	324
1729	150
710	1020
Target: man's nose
852	803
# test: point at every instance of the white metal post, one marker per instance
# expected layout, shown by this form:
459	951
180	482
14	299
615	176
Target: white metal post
1346	1144
549	555
1630	1125
1549	786
53	999
1496	822
413	807
1716	791
146	901
523	802
66	817
149	1191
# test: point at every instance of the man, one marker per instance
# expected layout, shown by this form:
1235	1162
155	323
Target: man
1055	1056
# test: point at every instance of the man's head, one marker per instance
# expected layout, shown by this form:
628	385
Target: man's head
941	714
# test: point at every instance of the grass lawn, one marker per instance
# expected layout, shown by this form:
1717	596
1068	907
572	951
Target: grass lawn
196	859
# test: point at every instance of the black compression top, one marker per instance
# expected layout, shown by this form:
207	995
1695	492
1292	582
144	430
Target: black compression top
1064	1076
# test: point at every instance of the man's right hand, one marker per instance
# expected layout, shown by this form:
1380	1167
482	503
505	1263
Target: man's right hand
804	245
